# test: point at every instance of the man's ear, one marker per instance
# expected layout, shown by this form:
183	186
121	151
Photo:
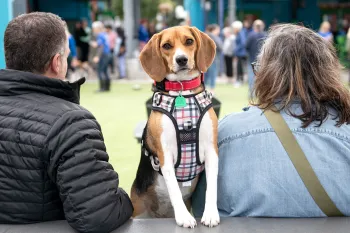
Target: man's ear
206	50
56	64
152	61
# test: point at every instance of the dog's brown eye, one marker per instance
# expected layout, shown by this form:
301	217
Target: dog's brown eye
166	46
189	42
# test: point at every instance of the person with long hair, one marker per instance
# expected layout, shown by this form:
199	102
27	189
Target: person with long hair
300	106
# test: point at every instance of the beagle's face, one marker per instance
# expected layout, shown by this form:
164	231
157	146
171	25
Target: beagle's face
177	53
178	47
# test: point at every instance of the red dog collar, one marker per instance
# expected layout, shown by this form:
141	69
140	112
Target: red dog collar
183	85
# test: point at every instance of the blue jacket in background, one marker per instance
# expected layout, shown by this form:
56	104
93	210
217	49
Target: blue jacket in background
257	178
143	34
241	39
102	41
253	45
72	46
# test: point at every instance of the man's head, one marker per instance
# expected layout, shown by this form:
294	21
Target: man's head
109	28
247	23
144	22
213	29
97	27
37	43
237	27
84	23
258	26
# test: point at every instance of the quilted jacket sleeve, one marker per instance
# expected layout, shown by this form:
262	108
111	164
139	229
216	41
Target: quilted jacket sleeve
86	181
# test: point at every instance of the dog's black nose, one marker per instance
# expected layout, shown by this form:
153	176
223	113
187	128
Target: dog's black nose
182	60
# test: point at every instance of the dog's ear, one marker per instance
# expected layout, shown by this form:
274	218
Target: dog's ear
151	59
206	49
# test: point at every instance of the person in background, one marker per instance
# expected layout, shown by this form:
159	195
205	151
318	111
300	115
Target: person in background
247	27
213	31
298	79
85	37
240	51
325	31
151	29
228	48
120	52
253	46
143	34
72	58
77	35
103	55
112	38
236	27
348	50
53	159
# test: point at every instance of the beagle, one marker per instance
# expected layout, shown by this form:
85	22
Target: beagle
180	138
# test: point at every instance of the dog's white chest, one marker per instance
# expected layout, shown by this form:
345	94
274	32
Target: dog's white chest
186	189
184	121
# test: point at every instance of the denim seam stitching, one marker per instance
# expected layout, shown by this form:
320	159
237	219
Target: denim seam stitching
295	130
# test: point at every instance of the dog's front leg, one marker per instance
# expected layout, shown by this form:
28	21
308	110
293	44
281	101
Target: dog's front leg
208	138
169	146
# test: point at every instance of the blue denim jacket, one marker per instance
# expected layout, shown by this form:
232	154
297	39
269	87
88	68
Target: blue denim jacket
257	178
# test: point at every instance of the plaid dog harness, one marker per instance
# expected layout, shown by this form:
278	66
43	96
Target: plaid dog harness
186	121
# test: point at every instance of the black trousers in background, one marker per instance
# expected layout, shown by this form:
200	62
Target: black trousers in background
240	68
111	62
229	66
85	49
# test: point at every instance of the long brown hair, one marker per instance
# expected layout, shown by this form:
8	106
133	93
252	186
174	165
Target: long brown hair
296	64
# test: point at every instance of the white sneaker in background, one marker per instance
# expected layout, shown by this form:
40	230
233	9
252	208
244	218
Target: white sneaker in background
237	85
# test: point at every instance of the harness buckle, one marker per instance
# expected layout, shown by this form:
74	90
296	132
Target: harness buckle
188	126
157	99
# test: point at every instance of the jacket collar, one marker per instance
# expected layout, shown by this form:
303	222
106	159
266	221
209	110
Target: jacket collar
14	82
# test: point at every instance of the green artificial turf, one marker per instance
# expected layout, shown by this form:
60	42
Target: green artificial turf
119	111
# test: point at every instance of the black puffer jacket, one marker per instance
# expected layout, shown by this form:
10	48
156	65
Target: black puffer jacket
53	161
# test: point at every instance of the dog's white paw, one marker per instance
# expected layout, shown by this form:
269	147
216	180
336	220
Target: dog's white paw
186	220
211	217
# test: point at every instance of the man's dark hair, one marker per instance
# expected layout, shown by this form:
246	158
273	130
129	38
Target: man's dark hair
31	40
108	26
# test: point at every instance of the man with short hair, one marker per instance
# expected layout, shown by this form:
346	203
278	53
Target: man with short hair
53	160
253	45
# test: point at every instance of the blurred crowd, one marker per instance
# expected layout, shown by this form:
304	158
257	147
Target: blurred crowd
341	40
97	49
102	48
237	46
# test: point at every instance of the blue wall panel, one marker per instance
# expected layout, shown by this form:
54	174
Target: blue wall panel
196	13
5	17
66	9
310	15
